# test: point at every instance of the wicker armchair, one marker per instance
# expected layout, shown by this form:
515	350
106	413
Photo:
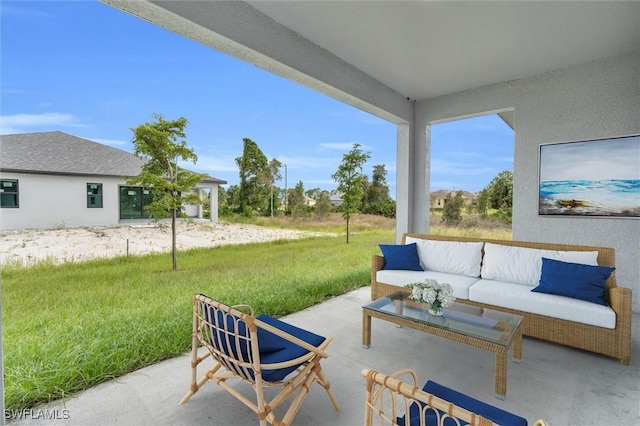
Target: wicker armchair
390	401
262	352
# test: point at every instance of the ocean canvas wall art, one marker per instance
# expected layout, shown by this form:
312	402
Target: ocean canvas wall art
591	178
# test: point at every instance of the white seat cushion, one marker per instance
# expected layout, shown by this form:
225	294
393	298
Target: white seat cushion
452	257
459	283
522	265
521	298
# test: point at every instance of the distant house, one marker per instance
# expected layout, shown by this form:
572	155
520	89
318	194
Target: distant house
53	179
439	198
336	199
308	201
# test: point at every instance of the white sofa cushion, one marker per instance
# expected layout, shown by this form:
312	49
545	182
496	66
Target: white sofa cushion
522	265
452	257
459	283
521	298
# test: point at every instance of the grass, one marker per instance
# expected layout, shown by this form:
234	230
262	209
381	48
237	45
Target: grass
69	327
72	326
332	223
471	226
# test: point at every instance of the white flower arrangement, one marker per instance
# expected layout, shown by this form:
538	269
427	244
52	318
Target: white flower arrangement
431	292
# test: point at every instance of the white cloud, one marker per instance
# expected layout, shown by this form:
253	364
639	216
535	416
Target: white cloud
24	123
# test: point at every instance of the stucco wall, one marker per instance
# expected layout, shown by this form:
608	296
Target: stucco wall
59	201
596	100
47	202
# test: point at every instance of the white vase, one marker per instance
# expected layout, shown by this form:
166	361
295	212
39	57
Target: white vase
435	310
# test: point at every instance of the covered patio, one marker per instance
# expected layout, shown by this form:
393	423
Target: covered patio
554	71
562	385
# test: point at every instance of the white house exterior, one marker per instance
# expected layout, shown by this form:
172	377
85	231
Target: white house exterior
54	180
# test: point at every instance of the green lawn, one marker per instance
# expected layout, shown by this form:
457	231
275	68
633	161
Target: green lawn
73	326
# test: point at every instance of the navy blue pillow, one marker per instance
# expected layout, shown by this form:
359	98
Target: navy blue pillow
401	257
268	342
289	350
584	282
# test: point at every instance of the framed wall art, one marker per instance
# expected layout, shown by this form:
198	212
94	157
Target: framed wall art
591	178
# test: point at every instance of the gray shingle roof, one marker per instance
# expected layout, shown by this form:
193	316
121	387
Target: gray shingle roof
64	154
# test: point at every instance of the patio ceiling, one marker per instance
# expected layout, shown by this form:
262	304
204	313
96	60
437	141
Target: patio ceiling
416	50
427	49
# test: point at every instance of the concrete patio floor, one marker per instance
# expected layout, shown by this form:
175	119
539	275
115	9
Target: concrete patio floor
562	385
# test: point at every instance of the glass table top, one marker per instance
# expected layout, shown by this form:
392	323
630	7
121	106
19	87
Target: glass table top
473	321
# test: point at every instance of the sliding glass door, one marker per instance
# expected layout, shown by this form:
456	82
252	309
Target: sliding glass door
133	199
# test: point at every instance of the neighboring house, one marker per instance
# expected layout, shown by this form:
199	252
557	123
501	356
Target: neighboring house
439	198
336	199
53	179
308	201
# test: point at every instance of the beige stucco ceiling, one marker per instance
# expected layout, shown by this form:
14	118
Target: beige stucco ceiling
424	49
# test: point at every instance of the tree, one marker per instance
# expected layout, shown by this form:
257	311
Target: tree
376	197
296	197
253	168
274	175
233	197
451	215
500	191
313	193
224	200
323	205
482	203
162	145
349	179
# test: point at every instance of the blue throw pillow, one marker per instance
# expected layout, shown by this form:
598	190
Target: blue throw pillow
584	282
401	257
289	350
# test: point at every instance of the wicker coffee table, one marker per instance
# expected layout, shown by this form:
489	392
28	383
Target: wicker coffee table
480	327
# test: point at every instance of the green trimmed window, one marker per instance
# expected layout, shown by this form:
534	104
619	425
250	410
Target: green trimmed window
94	195
133	200
9	193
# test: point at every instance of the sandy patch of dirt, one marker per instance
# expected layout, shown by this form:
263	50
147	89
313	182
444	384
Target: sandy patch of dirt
29	247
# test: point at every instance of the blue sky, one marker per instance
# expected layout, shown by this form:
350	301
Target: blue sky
90	70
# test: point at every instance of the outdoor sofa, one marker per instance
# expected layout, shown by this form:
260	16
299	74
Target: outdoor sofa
501	274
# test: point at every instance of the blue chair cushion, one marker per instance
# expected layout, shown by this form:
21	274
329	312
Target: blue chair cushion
268	342
585	282
401	257
485	410
273	348
289	350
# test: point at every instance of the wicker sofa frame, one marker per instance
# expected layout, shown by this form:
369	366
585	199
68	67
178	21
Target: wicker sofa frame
615	343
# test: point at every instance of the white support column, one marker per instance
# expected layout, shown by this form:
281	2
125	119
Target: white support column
421	161
412	176
404	200
200	206
213	206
